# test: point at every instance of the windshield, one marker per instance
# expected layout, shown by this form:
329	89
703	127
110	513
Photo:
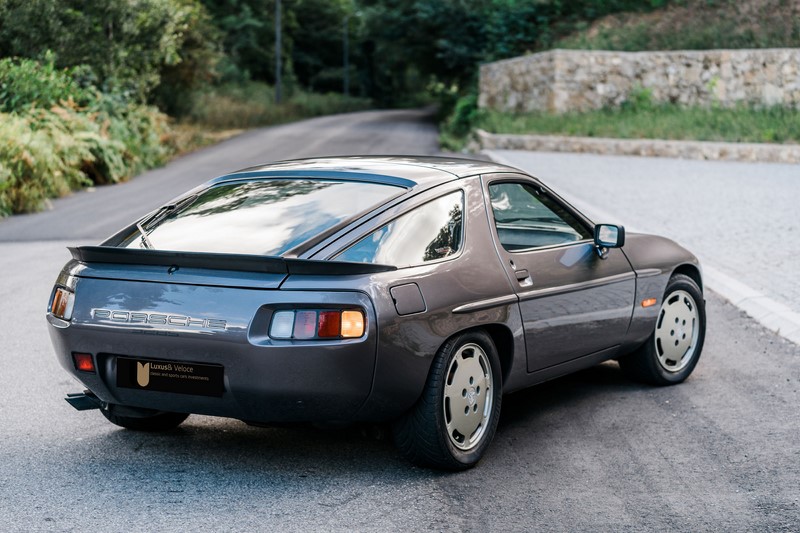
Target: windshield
267	217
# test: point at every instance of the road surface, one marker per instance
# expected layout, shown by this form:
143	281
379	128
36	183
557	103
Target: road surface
590	452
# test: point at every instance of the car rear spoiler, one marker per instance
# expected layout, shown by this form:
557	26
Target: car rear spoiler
219	261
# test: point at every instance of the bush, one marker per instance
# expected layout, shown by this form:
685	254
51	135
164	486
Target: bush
25	83
39	159
457	125
142	131
56	136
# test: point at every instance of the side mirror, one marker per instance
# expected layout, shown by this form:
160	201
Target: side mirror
609	236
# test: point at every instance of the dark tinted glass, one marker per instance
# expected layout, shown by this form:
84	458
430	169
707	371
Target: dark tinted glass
429	232
262	217
527	218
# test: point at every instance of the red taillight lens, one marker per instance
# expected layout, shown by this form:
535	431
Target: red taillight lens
83	362
329	324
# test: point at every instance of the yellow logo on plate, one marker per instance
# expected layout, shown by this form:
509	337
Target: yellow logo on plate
143	374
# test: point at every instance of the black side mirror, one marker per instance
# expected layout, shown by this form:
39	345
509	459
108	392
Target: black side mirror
609	236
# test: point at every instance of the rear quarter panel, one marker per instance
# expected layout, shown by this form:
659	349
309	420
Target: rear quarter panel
408	343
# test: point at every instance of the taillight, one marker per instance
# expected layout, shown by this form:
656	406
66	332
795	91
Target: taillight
61	306
317	324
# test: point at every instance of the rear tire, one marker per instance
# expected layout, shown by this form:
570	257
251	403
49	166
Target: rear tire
154	423
671	352
454	421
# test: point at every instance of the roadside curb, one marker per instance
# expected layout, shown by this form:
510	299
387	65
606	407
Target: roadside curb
771	314
711	151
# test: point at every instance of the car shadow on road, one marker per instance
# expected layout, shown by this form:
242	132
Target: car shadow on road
586	386
207	449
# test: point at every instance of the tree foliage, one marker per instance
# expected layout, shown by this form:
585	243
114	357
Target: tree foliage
161	49
125	45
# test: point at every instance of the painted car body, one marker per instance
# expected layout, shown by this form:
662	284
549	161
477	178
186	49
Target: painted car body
550	309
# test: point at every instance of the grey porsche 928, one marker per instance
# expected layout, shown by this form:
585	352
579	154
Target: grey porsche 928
409	290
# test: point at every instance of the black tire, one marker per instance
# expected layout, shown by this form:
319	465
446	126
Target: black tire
155	422
422	435
658	361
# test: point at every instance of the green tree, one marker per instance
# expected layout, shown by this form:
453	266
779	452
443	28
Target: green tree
199	54
248	37
124	43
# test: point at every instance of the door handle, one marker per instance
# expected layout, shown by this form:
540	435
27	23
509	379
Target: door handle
523	277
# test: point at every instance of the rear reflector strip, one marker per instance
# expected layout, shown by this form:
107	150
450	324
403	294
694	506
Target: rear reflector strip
83	362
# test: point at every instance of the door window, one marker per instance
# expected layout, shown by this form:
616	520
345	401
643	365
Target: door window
526	217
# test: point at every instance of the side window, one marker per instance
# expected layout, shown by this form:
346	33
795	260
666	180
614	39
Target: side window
429	232
527	218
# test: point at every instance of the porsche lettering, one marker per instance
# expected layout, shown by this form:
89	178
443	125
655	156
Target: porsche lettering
157	319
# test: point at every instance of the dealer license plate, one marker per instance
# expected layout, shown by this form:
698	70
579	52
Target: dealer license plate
170	376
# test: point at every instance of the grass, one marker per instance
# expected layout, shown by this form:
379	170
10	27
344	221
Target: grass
740	124
253	104
695	25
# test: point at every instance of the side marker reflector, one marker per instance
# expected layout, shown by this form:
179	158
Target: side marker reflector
650	302
83	362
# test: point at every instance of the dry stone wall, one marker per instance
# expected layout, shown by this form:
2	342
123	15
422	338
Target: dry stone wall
579	80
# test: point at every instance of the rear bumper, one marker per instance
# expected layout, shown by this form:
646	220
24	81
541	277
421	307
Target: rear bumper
264	380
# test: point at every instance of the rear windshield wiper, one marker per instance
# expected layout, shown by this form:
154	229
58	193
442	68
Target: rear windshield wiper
145	239
144	226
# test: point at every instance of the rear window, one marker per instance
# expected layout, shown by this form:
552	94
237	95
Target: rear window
261	217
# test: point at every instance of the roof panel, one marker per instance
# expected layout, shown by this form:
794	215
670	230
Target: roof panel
424	171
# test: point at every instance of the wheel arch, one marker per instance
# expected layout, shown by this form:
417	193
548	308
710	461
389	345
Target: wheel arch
503	341
691	271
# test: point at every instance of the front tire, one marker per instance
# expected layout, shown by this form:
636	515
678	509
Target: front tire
454	421
153	422
671	352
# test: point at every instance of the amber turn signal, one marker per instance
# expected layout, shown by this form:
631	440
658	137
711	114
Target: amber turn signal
62	303
649	302
352	324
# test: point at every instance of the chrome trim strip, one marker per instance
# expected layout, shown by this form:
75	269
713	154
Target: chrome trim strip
563	289
486	304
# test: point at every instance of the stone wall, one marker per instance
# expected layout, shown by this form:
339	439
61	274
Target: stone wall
579	80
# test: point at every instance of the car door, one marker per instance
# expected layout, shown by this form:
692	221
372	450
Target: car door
574	301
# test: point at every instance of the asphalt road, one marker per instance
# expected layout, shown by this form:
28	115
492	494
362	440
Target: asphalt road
590	452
